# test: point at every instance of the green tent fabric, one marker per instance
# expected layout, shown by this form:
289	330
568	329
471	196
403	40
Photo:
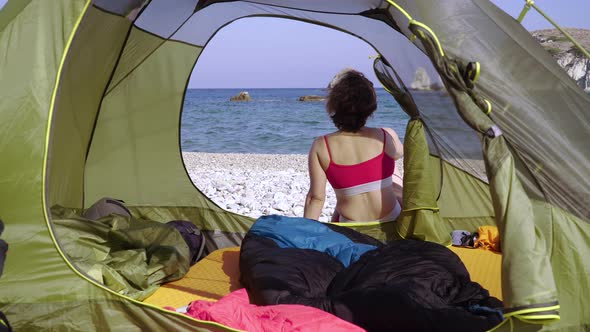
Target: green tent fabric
421	216
91	101
526	252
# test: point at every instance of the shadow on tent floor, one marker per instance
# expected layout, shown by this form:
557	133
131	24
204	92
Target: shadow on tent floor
218	274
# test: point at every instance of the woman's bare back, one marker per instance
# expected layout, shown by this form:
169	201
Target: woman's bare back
354	148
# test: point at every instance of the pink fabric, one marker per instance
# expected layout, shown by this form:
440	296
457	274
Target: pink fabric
234	310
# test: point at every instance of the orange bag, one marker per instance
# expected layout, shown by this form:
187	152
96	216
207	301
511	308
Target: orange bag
489	238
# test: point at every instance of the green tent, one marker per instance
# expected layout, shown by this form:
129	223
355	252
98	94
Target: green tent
91	101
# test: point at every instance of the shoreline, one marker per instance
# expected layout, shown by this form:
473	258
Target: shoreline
257	184
255	161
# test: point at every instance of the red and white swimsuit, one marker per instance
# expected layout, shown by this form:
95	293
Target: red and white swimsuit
373	174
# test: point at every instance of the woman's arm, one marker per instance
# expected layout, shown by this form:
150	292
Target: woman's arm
398	190
397	144
398	153
314	202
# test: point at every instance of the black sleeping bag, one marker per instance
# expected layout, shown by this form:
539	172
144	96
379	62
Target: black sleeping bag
406	285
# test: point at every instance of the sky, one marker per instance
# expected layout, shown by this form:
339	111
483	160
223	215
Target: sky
274	53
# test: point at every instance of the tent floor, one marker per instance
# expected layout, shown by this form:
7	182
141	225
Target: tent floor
218	274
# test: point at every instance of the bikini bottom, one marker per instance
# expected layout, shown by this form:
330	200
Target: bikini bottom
397	210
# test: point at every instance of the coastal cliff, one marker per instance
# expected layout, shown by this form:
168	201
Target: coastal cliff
423	82
566	54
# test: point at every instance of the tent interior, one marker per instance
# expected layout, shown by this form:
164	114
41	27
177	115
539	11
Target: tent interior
96	95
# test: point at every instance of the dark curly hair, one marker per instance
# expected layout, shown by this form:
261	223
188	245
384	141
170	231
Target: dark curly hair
351	100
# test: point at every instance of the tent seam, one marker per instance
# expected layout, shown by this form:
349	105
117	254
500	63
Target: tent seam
164	40
14	18
95	122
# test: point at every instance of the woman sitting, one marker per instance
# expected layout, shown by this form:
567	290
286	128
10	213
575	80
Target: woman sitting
357	160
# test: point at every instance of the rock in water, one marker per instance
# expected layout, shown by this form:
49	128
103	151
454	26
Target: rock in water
242	96
421	80
312	98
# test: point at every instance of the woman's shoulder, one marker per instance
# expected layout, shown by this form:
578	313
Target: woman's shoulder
319	142
391	132
394	146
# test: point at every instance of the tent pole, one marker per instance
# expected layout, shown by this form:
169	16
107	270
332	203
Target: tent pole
524	11
531	3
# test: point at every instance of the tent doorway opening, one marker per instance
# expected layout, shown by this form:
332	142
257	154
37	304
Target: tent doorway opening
250	157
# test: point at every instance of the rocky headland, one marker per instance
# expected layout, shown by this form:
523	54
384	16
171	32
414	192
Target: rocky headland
421	80
566	54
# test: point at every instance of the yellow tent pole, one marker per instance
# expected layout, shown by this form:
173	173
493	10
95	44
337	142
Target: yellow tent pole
525	10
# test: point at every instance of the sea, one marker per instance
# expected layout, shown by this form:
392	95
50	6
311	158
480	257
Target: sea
273	122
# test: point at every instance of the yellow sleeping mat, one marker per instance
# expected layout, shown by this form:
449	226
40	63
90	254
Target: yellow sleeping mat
211	278
218	274
484	266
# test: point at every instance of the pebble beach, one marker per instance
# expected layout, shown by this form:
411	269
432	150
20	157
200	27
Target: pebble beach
257	184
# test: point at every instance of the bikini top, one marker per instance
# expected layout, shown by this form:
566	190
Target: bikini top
373	174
